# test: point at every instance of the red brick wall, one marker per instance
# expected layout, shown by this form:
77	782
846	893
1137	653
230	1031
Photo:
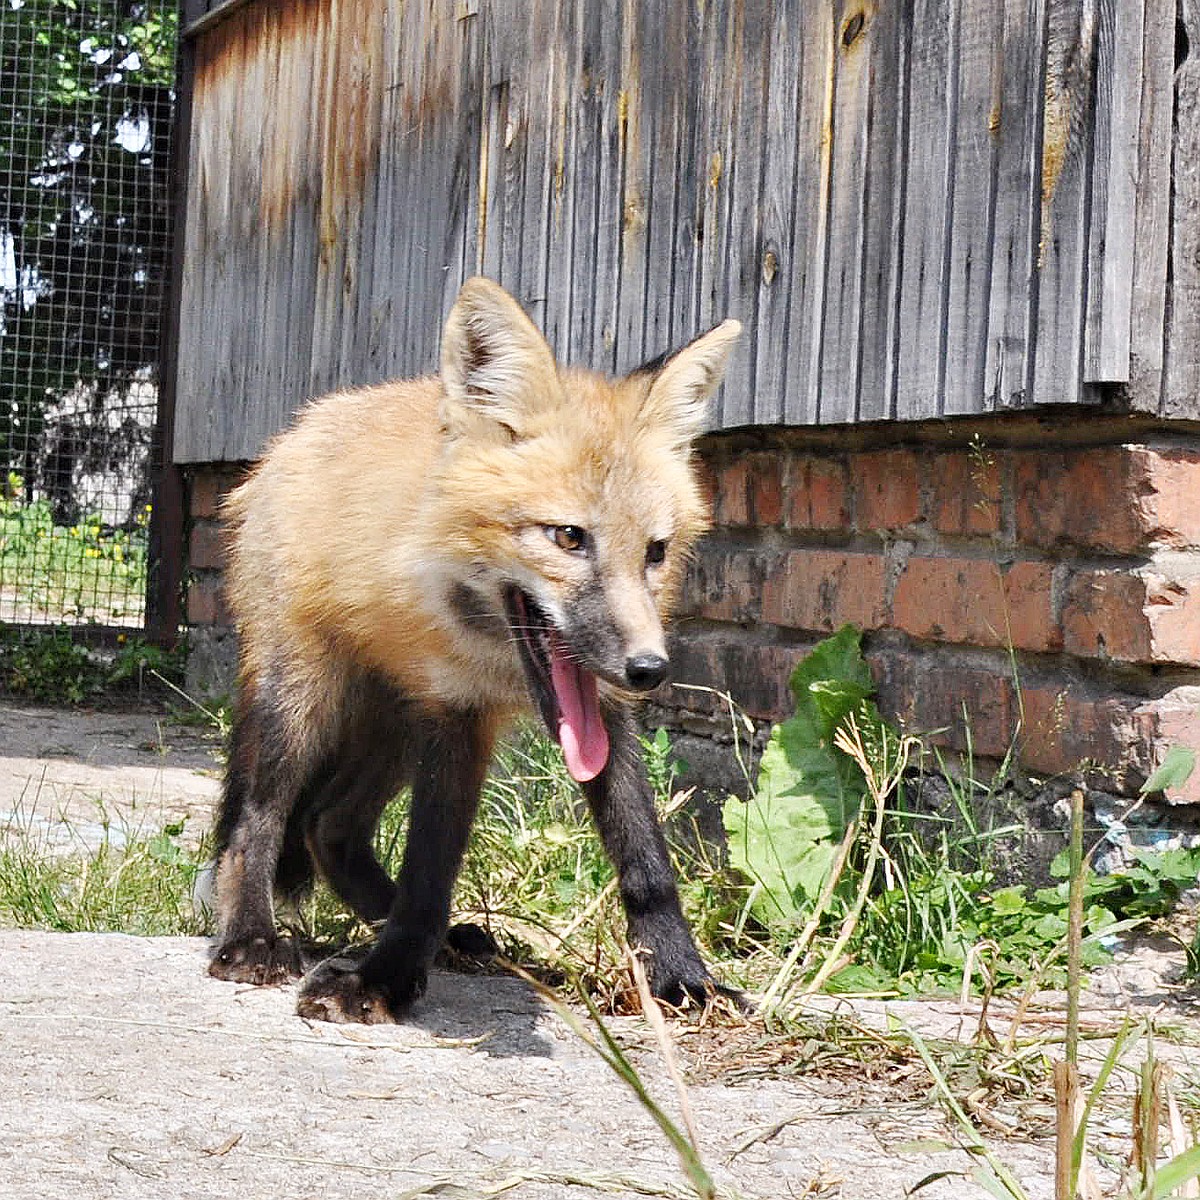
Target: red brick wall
1053	594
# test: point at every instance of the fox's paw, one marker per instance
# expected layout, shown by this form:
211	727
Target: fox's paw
263	961
685	979
336	991
471	941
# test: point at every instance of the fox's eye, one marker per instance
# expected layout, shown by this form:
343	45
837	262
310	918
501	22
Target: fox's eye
570	538
656	553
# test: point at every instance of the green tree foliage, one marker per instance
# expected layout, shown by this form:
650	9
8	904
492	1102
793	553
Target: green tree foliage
85	122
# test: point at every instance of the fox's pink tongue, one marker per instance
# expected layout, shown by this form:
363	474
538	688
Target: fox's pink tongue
581	732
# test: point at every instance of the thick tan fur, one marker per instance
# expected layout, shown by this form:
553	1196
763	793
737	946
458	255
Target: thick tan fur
363	517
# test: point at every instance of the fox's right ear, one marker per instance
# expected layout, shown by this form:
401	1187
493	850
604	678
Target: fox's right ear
495	363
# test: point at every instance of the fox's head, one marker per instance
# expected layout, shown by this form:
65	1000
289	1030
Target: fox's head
570	504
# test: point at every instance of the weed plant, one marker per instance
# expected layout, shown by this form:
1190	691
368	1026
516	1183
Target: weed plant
52	666
859	891
83	571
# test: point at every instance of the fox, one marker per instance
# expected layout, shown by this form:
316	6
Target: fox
410	567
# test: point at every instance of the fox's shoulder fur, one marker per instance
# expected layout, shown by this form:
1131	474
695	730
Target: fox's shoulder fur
382	528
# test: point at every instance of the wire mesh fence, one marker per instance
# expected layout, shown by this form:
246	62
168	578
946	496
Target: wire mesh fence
85	129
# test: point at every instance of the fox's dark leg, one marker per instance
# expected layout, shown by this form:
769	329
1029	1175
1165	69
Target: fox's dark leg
622	804
373	761
262	781
447	776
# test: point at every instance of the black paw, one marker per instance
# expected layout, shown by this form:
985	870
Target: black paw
682	979
263	961
472	941
336	991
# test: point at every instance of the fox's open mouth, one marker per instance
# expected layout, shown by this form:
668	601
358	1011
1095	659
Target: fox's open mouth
565	690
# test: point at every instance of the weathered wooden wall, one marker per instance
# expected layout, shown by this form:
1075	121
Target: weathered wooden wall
918	209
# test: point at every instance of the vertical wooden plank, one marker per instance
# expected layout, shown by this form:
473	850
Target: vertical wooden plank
1152	213
492	172
638	113
723	72
1009	354
777	215
330	228
972	220
660	123
1107	320
467	115
606	38
418	150
1061	277
529	274
560	256
587	86
932	100
376	320
1181	395
686	172
741	263
839	357
511	54
885	155
806	277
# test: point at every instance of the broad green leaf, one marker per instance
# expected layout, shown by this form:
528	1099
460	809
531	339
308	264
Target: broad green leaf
1009	900
1175	771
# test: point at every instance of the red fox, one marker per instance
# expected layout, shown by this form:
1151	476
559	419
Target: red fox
410	565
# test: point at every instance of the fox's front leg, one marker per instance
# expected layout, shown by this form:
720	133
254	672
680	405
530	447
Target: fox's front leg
622	803
445	793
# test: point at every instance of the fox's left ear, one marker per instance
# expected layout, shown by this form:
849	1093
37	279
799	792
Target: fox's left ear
678	397
496	367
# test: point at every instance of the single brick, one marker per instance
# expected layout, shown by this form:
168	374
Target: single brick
754	673
765	480
749	490
1077	496
820	590
819	494
1120	499
965	486
206	493
206	546
205	601
951	701
1144	616
723	584
1064	727
731	493
887	489
1172	478
975	602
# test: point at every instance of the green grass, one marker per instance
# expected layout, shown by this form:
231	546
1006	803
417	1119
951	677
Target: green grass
69	572
112	879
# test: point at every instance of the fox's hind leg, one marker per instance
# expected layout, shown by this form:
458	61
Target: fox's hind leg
447	775
373	760
262	781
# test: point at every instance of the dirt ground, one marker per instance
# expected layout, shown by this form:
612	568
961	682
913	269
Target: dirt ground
128	1072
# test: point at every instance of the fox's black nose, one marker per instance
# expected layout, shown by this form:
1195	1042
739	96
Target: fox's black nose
645	671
